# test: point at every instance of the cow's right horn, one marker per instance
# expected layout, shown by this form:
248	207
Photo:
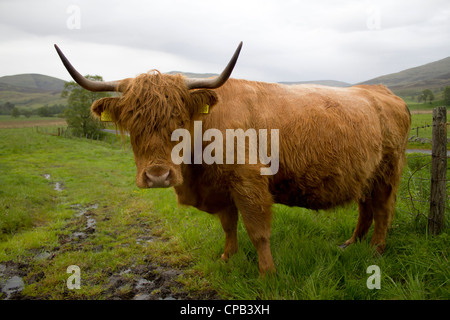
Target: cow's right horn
86	83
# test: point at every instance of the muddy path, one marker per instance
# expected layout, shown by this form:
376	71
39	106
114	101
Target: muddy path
146	279
140	282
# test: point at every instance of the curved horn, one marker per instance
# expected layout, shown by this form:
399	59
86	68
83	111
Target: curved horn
195	83
82	81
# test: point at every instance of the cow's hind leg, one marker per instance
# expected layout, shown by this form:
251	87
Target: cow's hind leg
229	219
379	205
380	208
365	218
384	198
384	209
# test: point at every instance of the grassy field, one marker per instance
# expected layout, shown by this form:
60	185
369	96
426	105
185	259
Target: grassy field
42	232
423	118
413	105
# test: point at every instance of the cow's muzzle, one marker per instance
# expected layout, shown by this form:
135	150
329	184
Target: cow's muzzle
158	176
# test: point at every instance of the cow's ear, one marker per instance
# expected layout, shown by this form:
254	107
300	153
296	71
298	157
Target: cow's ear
203	100
106	106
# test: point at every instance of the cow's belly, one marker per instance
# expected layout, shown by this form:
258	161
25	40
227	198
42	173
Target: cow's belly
324	195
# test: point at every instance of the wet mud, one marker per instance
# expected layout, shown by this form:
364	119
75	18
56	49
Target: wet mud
148	281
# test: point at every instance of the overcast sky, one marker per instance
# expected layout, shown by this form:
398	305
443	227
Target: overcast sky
284	40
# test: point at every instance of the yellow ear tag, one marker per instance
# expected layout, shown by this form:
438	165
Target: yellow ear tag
105	116
204	109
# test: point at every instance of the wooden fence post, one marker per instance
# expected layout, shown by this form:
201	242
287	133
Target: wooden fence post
438	171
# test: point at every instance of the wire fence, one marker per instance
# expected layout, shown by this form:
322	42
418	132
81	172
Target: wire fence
427	188
106	138
416	186
423	136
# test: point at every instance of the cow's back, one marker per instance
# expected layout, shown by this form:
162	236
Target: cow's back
332	140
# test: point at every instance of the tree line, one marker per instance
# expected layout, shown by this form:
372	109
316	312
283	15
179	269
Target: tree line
447	96
11	109
428	96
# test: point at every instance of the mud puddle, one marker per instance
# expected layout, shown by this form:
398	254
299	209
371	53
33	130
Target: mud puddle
11	279
58	186
148	281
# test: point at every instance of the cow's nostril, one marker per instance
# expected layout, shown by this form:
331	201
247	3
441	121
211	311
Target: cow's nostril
157	181
161	177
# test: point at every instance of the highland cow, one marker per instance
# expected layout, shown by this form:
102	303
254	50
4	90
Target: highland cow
336	145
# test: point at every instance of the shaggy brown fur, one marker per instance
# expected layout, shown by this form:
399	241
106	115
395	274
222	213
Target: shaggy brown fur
337	145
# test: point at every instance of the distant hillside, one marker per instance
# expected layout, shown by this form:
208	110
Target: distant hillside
331	83
29	91
31	83
35	90
434	75
194	75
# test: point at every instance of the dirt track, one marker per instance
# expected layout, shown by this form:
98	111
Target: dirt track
421	111
32	123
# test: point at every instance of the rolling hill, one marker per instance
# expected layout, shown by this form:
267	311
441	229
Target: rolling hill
194	75
434	76
330	83
29	91
31	83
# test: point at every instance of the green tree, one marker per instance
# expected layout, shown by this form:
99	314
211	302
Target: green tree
15	112
78	112
430	96
6	108
27	113
44	111
447	96
427	94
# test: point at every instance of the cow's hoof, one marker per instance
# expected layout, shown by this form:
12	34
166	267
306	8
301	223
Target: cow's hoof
346	244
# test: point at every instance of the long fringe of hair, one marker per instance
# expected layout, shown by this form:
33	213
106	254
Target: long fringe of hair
151	103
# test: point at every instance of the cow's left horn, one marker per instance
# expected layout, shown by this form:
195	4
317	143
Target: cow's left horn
195	83
86	83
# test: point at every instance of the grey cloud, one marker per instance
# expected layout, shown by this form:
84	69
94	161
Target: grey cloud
291	40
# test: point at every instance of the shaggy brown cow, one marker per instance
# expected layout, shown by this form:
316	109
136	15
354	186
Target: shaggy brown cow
336	145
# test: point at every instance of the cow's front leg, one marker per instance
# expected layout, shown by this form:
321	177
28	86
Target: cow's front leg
229	220
254	202
257	225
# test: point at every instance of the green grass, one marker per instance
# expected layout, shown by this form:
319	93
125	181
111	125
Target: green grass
413	105
422	120
310	265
